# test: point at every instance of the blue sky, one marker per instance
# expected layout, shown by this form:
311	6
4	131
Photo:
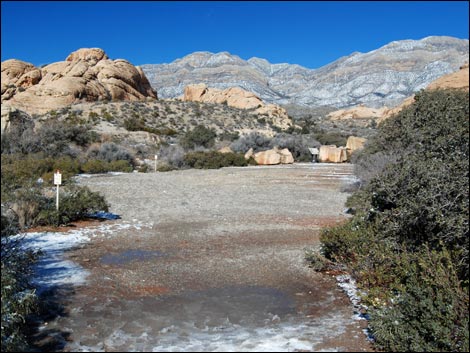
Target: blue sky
311	34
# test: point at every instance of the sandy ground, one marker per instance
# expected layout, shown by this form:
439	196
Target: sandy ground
214	248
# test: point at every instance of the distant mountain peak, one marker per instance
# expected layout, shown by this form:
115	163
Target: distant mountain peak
384	76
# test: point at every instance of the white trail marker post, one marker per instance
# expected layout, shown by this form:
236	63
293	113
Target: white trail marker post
156	157
57	182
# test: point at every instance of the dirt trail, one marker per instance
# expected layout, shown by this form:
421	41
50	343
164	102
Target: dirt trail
216	264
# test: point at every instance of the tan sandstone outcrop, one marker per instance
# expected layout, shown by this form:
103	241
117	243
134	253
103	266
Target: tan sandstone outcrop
355	143
14	118
332	154
458	80
234	96
274	156
86	75
237	97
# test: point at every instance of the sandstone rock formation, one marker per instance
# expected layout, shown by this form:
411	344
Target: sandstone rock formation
14	118
86	75
355	143
332	154
249	154
233	96
238	98
458	80
359	112
384	76
274	156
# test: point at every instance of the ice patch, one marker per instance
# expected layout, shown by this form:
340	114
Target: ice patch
52	269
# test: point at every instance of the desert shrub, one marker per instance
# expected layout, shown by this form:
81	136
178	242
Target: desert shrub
20	170
257	141
18	298
173	155
109	152
214	160
368	166
229	136
132	124
331	138
94	166
97	166
75	204
200	136
67	166
119	166
408	241
164	167
26	203
52	139
429	310
16	170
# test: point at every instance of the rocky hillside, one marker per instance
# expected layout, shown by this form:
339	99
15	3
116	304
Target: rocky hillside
86	75
384	76
238	98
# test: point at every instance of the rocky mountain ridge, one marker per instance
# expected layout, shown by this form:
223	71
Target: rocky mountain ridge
454	80
384	76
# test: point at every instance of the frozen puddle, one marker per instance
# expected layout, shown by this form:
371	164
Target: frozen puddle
52	269
227	319
127	256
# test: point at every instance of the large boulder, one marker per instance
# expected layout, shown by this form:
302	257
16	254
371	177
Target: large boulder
286	156
86	75
332	154
274	156
268	157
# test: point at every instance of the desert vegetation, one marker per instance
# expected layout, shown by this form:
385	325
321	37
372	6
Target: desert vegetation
407	242
113	137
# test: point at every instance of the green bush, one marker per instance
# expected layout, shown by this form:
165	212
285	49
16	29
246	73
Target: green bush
200	136
75	204
429	311
407	244
96	166
331	138
163	167
214	160
18	170
18	296
120	166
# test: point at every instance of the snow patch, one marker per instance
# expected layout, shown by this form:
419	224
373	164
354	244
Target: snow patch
53	269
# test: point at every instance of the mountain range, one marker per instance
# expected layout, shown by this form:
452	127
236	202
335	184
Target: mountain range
385	76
